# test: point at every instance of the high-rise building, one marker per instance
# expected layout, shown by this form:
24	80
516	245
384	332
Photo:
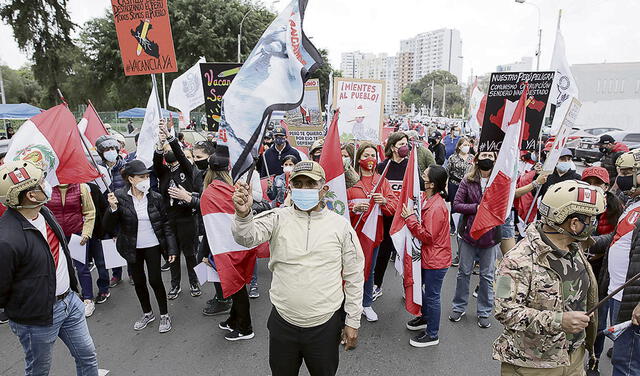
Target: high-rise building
524	65
350	63
435	50
391	100
372	67
404	76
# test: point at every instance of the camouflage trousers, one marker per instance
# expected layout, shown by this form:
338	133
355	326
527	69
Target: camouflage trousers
576	368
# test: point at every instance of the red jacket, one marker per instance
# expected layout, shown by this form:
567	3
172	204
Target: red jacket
619	147
524	202
433	232
362	190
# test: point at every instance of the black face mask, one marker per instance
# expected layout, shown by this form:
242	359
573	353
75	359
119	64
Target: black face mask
169	157
604	150
202	164
485	164
432	141
625	183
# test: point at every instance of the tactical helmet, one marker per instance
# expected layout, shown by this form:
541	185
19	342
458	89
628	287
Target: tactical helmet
630	159
16	177
106	141
568	198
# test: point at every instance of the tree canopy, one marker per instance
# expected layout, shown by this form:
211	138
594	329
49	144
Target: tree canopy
419	93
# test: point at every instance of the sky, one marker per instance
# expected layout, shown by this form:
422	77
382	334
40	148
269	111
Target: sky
493	32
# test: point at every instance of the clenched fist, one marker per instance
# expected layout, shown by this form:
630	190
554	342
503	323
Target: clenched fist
242	199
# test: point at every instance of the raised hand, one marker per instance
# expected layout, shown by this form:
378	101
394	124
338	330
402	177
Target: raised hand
242	199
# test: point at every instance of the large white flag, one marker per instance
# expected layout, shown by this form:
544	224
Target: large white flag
149	130
186	92
564	85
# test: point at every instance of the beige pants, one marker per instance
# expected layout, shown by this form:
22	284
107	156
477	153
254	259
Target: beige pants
576	368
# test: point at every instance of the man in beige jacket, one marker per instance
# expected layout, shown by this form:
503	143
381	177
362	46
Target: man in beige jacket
317	266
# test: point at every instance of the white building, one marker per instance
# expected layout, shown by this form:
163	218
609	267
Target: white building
524	65
435	50
350	63
372	67
610	94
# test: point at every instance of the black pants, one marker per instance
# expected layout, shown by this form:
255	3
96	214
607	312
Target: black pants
240	315
150	256
186	237
384	253
318	346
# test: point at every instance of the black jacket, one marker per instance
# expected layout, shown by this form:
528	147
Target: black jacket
556	178
27	269
181	175
439	153
101	205
126	219
273	157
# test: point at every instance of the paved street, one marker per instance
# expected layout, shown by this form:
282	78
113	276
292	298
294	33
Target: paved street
196	346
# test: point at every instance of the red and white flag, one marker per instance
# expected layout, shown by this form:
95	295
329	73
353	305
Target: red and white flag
497	199
477	106
91	126
409	248
234	263
51	140
331	162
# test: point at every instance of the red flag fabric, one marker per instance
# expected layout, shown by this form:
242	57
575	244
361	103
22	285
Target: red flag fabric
331	162
91	125
408	246
234	263
52	141
498	197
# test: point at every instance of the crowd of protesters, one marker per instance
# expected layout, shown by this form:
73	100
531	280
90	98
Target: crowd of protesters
570	239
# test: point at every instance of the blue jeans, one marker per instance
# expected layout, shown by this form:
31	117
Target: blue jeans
367	293
610	308
254	276
431	286
626	353
487	259
94	251
70	325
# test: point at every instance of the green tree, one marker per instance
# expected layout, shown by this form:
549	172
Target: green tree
43	29
419	93
20	86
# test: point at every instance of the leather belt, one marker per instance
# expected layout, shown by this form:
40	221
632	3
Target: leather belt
63	295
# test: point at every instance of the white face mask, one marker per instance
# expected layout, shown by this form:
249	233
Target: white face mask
111	155
465	149
287	168
144	185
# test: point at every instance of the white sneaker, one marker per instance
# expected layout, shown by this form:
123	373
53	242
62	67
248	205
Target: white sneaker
370	314
89	307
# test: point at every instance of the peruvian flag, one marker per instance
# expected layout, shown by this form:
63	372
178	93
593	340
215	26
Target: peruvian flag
331	162
91	126
409	247
477	106
497	199
234	263
52	141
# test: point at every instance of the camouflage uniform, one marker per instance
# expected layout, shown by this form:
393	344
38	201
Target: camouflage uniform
529	302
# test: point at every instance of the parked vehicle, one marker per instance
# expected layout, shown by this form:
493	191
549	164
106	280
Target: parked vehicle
589	152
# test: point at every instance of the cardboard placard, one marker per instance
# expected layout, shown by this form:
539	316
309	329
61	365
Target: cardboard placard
305	122
144	36
508	86
361	104
216	78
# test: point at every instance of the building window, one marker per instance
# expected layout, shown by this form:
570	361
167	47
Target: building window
598	86
622	86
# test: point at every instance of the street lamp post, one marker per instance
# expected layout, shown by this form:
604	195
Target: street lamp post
539	31
240	33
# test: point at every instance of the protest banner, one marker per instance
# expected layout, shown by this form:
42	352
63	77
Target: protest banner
505	88
361	104
216	78
305	122
186	92
569	121
144	36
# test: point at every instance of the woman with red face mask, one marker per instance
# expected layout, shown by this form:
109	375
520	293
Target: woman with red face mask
371	195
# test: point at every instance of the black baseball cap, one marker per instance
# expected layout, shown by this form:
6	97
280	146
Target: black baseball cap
606	139
135	167
219	161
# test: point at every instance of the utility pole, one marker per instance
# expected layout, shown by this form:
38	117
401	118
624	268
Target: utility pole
444	97
4	99
431	108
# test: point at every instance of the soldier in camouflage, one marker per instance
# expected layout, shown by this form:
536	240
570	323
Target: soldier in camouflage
544	286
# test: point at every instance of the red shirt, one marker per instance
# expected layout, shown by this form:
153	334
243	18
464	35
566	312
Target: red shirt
433	232
362	190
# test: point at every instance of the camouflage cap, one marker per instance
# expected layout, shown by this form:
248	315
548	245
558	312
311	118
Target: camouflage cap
308	168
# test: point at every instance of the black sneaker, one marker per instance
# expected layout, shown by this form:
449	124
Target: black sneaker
455	262
101	298
253	292
114	282
194	289
166	267
225	326
484	322
218	308
424	340
610	353
593	367
456	316
418	323
3	317
237	336
174	292
475	292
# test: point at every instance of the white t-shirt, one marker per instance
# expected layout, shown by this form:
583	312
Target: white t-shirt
621	249
62	273
146	238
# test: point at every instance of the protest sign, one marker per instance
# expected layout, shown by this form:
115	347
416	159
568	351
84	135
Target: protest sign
186	92
568	122
305	122
216	78
144	36
505	88
361	104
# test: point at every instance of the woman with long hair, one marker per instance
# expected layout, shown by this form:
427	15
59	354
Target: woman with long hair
457	167
484	249
370	190
143	232
433	232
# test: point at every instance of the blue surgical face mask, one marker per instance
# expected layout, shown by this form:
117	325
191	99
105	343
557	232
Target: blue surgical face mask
111	155
563	167
305	199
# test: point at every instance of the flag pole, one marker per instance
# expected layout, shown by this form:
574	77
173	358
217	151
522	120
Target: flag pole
559	18
88	150
255	159
155	87
614	292
384	174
